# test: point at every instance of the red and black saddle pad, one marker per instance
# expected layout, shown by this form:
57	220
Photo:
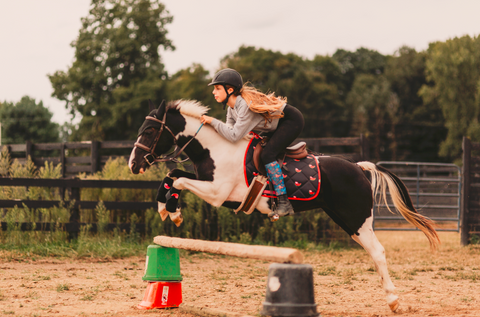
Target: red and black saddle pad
301	176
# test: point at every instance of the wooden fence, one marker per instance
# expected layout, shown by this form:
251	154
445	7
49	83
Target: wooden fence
73	186
75	157
470	209
89	156
354	148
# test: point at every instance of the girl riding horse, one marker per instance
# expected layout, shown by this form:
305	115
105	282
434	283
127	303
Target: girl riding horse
252	110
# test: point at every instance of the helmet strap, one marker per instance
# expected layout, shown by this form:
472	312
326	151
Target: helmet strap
228	96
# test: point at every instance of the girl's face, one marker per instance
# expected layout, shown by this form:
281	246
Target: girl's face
219	93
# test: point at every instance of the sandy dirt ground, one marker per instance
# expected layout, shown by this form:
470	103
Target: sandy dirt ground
445	283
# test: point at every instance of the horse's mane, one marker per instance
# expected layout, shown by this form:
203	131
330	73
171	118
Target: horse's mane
191	108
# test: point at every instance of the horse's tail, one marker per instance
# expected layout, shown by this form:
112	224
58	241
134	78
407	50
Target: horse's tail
383	178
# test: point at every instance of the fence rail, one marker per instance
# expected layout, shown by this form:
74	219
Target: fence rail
72	163
75	202
435	189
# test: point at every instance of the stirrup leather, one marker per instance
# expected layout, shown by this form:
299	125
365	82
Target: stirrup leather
253	195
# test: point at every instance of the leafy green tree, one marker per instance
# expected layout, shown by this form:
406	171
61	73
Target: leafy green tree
117	68
27	120
417	127
362	61
454	69
296	78
373	106
192	83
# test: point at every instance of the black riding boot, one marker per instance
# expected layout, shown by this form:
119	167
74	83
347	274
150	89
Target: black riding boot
284	206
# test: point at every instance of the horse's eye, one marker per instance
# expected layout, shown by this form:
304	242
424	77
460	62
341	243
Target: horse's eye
149	131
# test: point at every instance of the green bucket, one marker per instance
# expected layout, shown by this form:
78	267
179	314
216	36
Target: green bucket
162	264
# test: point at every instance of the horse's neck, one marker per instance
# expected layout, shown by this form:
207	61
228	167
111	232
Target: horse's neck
208	138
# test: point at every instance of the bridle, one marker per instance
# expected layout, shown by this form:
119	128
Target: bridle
151	157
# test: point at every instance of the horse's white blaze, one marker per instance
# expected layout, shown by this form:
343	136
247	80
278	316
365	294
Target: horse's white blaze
368	240
132	156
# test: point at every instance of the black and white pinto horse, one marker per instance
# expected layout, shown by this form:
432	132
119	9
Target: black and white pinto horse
347	189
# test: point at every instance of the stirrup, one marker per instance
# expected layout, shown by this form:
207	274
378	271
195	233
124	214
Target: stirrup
273	216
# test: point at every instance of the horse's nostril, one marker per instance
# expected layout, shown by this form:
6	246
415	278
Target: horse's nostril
132	166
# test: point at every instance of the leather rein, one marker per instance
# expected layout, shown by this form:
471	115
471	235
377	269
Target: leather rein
151	157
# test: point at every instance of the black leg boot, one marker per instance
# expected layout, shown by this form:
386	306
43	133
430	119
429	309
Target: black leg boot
284	206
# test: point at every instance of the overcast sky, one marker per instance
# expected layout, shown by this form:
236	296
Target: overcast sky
35	35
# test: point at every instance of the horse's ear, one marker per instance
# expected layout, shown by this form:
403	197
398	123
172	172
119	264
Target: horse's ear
151	105
161	110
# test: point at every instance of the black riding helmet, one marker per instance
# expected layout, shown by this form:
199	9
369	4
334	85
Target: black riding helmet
226	77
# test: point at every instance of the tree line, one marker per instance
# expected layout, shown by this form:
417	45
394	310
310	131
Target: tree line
413	106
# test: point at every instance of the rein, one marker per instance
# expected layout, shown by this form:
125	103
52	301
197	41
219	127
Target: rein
151	157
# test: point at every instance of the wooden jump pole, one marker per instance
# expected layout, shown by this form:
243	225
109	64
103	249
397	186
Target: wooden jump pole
265	253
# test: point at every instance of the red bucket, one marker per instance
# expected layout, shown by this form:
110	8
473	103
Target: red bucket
162	295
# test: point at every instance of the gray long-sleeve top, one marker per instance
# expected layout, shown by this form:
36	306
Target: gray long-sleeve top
241	120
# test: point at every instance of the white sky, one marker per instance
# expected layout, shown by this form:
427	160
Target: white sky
35	35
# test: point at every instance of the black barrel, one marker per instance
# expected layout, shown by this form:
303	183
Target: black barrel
290	291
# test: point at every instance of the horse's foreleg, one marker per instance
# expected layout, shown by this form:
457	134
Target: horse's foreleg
171	206
367	239
213	193
161	198
166	205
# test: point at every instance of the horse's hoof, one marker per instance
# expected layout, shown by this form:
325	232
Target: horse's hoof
162	211
176	217
394	305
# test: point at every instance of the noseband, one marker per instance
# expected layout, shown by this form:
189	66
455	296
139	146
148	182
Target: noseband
151	157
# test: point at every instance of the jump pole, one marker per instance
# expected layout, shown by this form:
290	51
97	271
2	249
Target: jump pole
265	253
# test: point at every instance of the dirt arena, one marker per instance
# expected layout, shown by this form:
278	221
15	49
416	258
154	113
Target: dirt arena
445	283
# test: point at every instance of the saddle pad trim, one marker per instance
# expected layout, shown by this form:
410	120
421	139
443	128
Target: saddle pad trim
255	136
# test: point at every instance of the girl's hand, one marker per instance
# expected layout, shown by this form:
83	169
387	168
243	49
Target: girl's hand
206	119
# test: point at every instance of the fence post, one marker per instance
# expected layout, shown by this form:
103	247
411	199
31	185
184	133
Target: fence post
75	213
28	150
464	227
95	156
364	148
62	159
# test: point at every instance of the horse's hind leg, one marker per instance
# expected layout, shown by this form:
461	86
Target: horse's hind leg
367	239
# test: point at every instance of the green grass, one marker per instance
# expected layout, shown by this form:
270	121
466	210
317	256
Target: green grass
63	287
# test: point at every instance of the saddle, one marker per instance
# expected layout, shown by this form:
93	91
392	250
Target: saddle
297	151
301	174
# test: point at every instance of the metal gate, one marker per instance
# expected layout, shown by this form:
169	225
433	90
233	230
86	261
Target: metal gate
435	189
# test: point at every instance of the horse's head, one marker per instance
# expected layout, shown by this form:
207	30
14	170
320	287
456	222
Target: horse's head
155	138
